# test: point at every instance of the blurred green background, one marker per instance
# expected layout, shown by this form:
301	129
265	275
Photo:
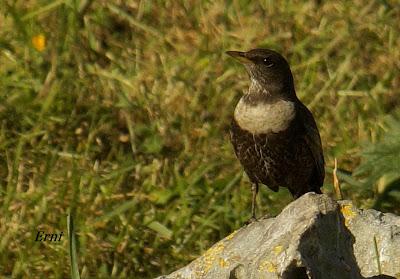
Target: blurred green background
118	112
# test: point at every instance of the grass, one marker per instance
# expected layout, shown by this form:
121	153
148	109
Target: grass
117	112
72	248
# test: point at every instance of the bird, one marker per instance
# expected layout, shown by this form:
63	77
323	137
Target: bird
274	135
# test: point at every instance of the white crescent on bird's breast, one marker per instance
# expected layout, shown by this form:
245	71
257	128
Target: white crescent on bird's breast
263	118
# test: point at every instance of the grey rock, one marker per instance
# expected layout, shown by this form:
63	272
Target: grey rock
313	237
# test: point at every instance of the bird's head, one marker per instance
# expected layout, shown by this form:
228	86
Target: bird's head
267	68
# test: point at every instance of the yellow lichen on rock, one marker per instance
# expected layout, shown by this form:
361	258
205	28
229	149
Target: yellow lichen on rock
204	263
229	237
266	265
278	249
348	213
223	263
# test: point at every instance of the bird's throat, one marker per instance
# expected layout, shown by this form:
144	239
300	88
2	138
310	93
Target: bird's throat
257	88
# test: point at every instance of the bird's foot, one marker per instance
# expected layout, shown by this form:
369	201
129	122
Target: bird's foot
251	220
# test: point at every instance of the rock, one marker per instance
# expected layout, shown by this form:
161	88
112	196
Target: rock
313	237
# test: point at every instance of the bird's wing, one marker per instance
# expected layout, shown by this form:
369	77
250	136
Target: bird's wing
313	140
233	138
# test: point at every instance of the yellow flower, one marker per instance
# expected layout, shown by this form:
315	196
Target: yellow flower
39	42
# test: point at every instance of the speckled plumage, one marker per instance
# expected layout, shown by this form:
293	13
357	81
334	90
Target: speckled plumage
279	159
290	153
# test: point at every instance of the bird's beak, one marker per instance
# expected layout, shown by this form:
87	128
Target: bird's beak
240	56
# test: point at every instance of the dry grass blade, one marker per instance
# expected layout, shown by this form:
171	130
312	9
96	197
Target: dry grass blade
378	259
336	183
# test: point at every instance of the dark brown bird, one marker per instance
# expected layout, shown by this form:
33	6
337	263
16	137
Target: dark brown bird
274	135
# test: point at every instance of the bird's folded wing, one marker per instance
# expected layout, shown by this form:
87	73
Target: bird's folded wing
313	141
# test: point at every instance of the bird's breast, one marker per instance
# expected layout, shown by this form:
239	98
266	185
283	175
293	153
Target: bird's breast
263	118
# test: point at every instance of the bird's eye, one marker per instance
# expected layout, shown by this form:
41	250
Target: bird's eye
267	62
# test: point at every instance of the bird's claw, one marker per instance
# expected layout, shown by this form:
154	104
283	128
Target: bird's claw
251	220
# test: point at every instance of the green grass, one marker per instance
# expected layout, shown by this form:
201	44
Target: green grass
122	120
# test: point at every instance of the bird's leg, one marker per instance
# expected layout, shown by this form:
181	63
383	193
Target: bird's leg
254	190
